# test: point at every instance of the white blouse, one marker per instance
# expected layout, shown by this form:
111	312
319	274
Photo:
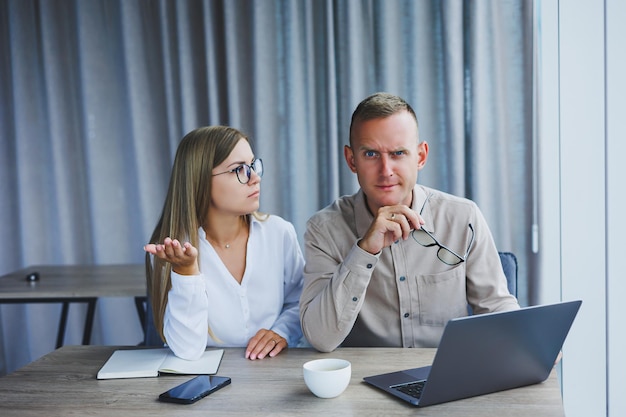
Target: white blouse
267	297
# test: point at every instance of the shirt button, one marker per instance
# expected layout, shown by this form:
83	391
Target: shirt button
402	278
369	266
406	315
354	298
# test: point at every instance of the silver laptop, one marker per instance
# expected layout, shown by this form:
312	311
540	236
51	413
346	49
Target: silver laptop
486	353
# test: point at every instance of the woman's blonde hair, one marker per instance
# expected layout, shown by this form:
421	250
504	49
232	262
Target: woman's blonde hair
187	204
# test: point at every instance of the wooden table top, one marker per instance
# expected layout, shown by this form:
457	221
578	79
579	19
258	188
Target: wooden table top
74	281
64	383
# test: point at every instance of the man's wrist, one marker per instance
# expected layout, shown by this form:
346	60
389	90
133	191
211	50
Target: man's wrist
363	245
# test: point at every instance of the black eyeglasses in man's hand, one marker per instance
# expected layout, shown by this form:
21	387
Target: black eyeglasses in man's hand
445	255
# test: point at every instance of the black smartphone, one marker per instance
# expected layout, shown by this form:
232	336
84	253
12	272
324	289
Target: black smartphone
196	388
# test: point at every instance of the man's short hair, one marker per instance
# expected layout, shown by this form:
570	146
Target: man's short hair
377	106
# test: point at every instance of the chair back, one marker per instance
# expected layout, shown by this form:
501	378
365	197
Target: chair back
151	336
509	265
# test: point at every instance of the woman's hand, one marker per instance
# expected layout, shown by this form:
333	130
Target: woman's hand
183	257
265	342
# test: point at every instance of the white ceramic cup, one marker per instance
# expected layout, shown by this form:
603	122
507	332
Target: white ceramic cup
327	378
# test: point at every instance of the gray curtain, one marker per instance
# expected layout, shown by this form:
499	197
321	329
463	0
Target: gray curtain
96	94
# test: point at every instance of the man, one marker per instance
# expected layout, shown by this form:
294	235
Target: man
391	264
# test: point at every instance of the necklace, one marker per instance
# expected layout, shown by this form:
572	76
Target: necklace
229	244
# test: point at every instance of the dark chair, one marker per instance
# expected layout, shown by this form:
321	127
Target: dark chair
509	265
151	336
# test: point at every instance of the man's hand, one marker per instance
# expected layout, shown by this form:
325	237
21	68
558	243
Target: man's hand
390	224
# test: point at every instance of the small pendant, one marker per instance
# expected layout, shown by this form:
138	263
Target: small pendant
227	245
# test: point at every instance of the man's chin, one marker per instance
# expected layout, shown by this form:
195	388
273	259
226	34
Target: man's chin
385	199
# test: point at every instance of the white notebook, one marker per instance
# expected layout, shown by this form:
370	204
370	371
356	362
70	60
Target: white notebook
142	363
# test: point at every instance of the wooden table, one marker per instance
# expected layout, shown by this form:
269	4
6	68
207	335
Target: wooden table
64	383
67	284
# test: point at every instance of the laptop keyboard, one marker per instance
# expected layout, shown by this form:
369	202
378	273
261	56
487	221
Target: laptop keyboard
414	389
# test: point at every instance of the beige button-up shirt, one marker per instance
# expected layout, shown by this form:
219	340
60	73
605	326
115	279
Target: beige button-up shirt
404	295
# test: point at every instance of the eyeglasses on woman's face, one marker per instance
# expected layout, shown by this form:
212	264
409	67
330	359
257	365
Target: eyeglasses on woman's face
244	171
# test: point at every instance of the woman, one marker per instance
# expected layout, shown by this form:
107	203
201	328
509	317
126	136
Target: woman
219	273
